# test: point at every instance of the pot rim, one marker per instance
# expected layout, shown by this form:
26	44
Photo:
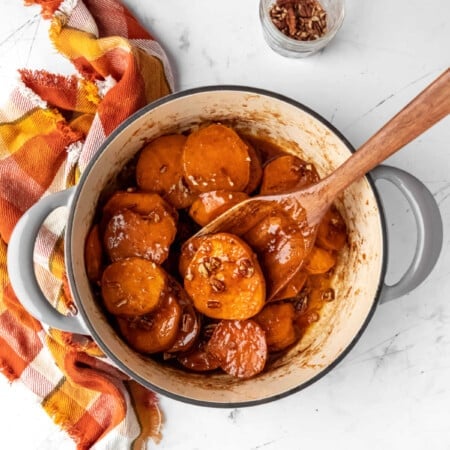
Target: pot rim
69	231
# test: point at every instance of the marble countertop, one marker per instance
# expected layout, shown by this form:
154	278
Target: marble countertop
392	391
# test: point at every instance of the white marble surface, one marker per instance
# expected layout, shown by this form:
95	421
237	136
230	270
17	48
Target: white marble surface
392	391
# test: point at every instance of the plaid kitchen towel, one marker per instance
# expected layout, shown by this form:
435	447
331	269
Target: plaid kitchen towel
49	130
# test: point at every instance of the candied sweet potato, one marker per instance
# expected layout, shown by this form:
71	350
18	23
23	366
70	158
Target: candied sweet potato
129	233
240	347
198	359
307	318
285	173
214	158
278	322
332	231
93	254
319	261
280	246
209	205
154	332
319	290
133	286
144	203
159	169
224	278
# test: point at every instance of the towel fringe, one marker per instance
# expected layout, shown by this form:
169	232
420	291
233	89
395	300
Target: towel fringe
105	85
44	79
60	418
30	95
66	7
74	152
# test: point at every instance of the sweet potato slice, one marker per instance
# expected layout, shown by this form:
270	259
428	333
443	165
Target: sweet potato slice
224	278
319	290
159	169
132	234
198	359
285	173
280	246
214	158
240	346
93	254
307	318
278	322
144	203
319	261
332	231
153	332
308	304
132	286
210	205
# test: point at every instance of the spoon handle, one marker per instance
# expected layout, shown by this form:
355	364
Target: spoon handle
430	106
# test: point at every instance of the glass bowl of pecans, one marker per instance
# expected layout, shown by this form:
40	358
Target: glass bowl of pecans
299	28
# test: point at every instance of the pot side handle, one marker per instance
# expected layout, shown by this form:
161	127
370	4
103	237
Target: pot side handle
429	230
21	267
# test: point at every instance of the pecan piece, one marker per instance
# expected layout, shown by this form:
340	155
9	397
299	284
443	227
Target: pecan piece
328	295
291	20
212	264
245	268
213	304
203	270
216	285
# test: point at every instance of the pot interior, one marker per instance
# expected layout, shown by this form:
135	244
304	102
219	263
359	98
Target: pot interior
356	279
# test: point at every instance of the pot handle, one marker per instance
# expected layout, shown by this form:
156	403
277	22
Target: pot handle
429	230
21	267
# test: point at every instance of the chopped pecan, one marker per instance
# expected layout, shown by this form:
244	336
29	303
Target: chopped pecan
216	285
212	264
328	295
304	20
245	268
213	304
203	270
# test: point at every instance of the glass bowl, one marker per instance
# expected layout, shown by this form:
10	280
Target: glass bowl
290	47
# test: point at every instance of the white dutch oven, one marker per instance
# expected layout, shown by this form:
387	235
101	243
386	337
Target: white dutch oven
358	281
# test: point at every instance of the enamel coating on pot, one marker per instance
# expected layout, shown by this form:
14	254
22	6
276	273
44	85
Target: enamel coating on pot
357	280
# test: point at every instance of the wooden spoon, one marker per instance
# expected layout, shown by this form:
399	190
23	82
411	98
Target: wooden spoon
307	206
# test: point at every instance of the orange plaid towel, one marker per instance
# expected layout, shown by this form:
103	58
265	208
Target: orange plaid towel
49	130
